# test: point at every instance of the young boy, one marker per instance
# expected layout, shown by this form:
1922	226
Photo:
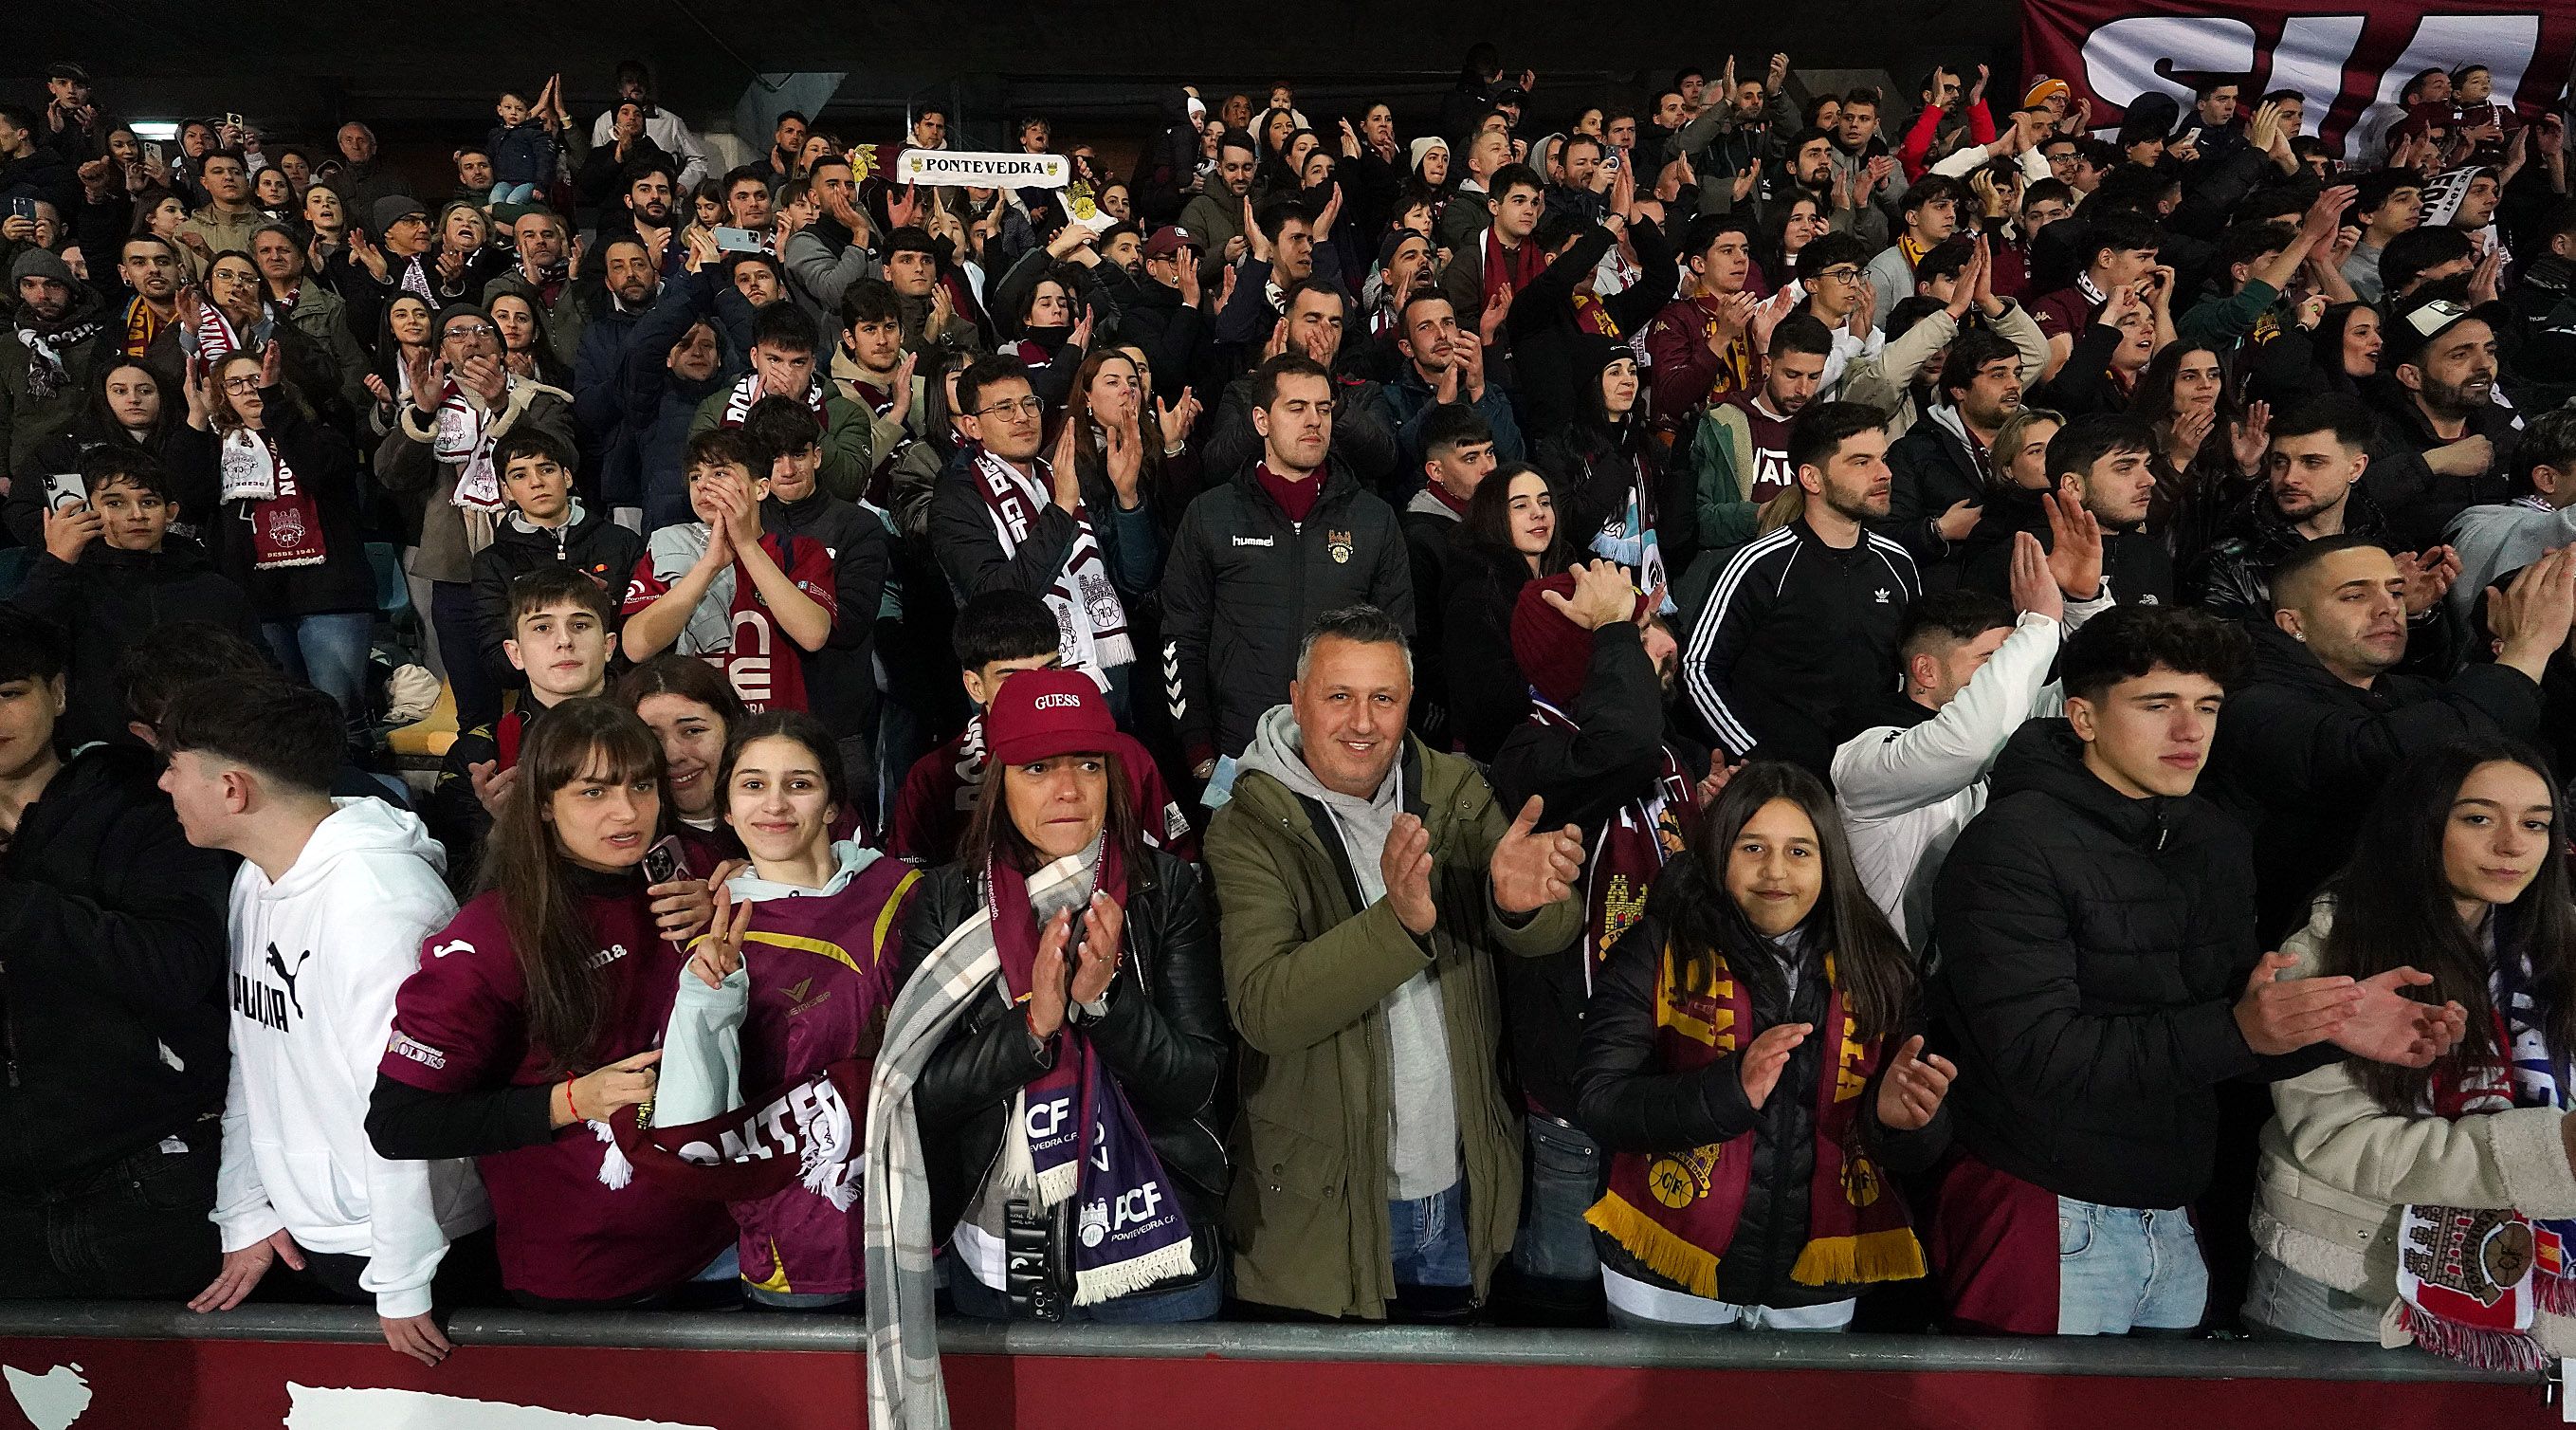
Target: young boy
559	623
724	589
840	679
999	634
870	368
547	527
111	571
329	909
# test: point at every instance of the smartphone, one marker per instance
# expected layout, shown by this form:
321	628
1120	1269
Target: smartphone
65	491
664	863
152	152
232	120
2190	136
742	240
24	208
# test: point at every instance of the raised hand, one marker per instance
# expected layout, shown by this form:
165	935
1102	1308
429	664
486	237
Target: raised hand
1532	869
492	784
69	530
719	954
1404	867
1177	420
1603	595
2387	1026
1911	1088
2250	437
1104	931
1713	784
1497	309
2074	542
1760	1065
2428	577
2034	589
1051	977
1253	235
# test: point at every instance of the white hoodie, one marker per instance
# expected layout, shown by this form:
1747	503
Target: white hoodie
317	959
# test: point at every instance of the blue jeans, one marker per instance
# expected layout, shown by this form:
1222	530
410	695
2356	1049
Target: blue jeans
510	193
2282	1304
1197	1301
330	654
1428	1239
460	649
1555	1243
2121	1269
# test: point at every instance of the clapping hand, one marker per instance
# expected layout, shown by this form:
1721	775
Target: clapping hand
1911	1088
2075	542
1530	869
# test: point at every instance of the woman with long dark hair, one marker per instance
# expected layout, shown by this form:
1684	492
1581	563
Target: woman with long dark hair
1616	496
692	711
533	1020
1746	1060
1061	963
2210	445
780	1008
127	409
2458	871
1511	535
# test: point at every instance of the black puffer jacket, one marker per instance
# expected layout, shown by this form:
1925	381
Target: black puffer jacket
1584	776
2233	578
589	543
2301	755
1165	1040
1244	583
2090	949
1629	1104
110	599
112	974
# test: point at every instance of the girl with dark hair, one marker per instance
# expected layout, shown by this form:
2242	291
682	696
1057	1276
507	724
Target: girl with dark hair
2209	444
776	1016
1616	496
2459	871
1745	1059
533	1020
527	346
692	711
1060	964
1510	536
126	411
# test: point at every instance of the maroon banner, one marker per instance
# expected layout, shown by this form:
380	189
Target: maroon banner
2350	61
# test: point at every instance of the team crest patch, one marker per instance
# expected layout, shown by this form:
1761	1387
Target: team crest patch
1340	544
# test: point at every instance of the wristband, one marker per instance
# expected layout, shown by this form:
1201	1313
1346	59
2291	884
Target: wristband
571	1106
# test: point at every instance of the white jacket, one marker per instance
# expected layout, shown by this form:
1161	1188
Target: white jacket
1905	794
317	959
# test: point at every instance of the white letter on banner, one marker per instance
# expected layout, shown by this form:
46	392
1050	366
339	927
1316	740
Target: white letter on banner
2310	59
2501	42
2120	58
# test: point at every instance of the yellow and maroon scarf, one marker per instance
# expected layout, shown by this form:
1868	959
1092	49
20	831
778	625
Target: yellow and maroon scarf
1677	1212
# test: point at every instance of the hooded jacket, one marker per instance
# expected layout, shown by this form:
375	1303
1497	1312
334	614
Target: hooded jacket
108	600
1244	583
78	339
2090	950
2301	755
588	542
111	974
316	960
407	461
1309	967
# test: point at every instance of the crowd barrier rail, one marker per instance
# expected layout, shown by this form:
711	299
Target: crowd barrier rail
119	1366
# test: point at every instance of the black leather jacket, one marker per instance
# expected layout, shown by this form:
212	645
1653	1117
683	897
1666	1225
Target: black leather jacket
1165	1039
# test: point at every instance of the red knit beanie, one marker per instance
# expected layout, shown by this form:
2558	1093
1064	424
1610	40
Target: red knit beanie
1552	650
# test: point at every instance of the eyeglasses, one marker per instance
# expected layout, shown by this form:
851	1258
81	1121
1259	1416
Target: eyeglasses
1026	407
1848	273
466	330
241	386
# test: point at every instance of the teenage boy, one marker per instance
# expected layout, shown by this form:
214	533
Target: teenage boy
2101	978
562	629
1459	451
110	572
871	369
782	344
723	589
330	909
997	635
840	678
547	528
2388	202
114	998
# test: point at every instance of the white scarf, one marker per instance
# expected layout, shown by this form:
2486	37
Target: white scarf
466	433
738	402
1088	615
249	467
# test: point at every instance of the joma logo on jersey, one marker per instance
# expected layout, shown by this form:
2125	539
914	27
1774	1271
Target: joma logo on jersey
607	956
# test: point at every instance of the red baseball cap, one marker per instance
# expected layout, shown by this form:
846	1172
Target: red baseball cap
1039	714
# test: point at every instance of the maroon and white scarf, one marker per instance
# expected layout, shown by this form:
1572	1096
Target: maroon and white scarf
285	522
1088	614
466	434
747	391
1630	850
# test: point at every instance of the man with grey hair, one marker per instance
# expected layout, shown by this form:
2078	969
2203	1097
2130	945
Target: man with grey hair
1367	880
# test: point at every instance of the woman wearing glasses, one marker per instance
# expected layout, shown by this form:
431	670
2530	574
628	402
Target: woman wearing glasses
287	530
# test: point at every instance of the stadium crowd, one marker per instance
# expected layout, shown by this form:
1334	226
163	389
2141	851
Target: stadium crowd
1695	710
